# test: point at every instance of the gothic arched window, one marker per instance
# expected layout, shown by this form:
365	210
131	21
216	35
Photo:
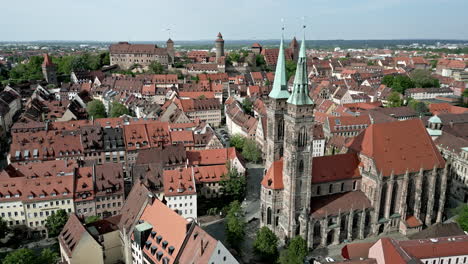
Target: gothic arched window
269	216
302	140
280	129
301	167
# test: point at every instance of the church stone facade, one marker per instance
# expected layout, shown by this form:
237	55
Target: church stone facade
393	178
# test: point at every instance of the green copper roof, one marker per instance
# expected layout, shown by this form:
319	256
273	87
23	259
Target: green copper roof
280	85
300	92
435	119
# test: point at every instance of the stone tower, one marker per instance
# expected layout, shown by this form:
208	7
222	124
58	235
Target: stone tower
219	44
276	110
294	49
49	70
170	50
298	150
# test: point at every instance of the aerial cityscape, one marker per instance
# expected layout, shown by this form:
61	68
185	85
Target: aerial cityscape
265	138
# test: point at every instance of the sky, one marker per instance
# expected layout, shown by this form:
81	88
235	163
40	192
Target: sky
149	20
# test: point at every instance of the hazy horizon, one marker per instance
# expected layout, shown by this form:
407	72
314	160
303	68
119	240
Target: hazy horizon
147	20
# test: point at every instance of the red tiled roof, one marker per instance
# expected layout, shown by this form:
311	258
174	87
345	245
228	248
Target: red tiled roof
71	234
412	221
170	226
273	179
179	182
47	60
210	173
211	156
196	95
333	204
324	168
441	108
398	146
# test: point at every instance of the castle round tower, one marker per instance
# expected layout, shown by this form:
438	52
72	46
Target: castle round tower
219	44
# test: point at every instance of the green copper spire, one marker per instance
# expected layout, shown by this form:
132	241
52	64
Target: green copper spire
280	84
300	91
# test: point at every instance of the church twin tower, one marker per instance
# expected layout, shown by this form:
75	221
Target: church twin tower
290	124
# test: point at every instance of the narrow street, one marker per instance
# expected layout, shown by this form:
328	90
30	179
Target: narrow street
251	206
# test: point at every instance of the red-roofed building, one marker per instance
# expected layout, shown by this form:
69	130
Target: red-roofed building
162	236
180	191
452	249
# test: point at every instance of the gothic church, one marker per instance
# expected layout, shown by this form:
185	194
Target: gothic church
393	178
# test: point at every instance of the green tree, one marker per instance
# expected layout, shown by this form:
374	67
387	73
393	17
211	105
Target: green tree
92	219
104	59
234	56
27	256
266	244
21	256
418	106
55	222
247	104
96	109
235	225
3	226
233	185
156	68
250	151
237	141
290	68
401	83
28	71
118	109
48	256
462	216
260	60
388	80
423	79
295	253
394	100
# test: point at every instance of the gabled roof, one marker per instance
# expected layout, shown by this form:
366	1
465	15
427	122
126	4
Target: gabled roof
134	204
168	226
71	234
398	146
324	169
273	179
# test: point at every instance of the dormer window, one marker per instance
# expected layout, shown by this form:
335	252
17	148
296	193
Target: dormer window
164	244
65	193
41	195
30	196
148	244
171	250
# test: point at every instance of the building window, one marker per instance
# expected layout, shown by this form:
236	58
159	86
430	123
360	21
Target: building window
269	216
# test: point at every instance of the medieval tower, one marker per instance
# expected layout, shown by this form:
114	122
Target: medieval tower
219	44
294	49
276	110
298	150
49	70
170	50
